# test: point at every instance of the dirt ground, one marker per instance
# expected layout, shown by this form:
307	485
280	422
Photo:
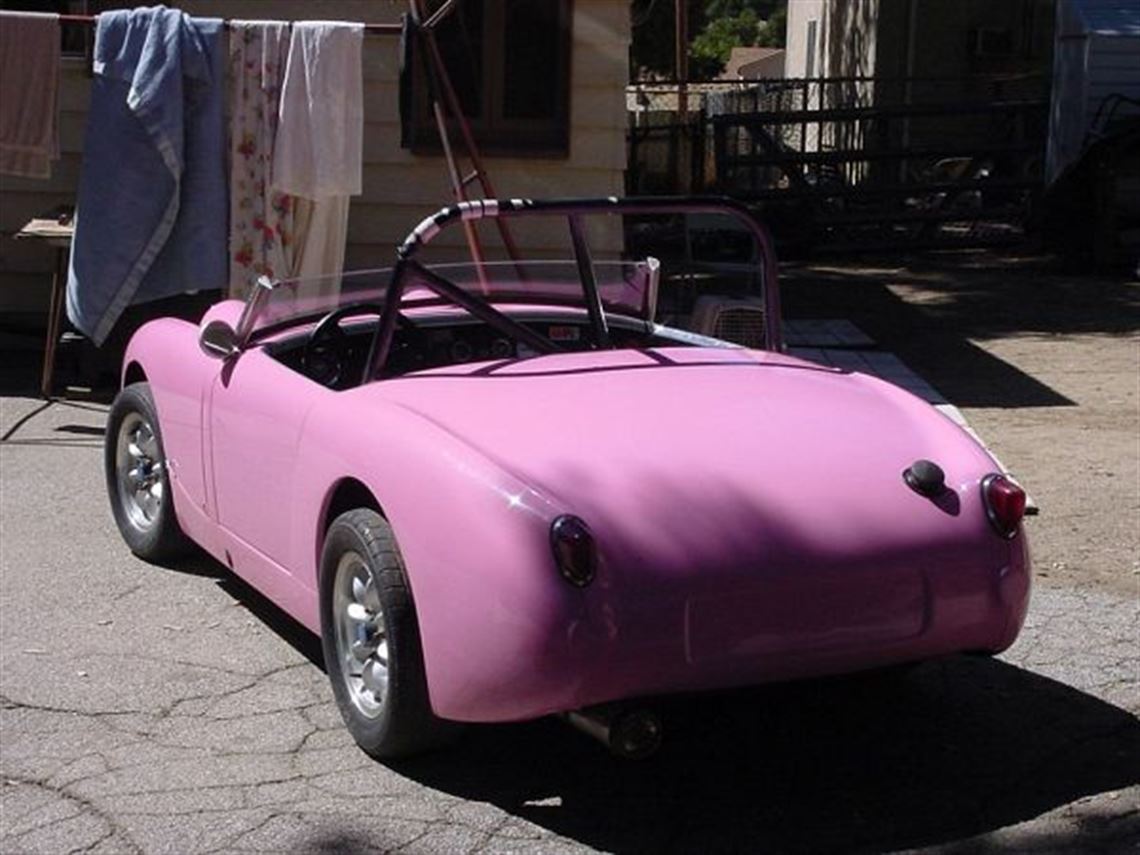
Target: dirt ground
1045	365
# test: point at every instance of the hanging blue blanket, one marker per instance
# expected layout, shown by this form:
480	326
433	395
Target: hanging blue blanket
152	207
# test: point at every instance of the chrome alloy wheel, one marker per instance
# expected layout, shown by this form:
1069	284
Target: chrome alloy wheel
139	471
361	636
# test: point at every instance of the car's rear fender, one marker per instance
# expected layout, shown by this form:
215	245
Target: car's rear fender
475	542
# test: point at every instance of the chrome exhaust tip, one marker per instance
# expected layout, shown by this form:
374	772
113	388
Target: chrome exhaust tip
631	734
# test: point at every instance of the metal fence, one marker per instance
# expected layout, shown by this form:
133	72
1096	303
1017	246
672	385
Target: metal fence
844	163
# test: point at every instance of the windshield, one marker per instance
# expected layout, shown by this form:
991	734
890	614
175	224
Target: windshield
731	295
626	287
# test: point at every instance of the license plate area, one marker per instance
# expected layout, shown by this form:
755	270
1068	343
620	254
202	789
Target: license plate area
809	613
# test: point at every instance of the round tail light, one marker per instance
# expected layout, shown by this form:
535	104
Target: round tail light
1005	503
574	550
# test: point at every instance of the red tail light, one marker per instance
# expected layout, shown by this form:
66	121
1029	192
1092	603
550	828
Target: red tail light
1005	504
574	550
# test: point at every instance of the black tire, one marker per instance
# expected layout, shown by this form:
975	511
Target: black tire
149	526
360	549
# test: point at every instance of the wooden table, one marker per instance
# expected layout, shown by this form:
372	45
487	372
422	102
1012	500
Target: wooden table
54	229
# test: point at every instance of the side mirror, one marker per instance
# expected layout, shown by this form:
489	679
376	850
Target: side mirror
218	340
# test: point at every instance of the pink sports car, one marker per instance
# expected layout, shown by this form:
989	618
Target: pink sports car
503	490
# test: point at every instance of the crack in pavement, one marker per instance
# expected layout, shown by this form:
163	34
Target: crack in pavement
85	806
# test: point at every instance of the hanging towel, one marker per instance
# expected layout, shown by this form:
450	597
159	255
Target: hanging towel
262	230
321	130
317	154
29	93
152	205
322	232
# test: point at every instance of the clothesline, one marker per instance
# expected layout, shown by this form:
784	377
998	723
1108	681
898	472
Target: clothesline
295	160
373	29
174	212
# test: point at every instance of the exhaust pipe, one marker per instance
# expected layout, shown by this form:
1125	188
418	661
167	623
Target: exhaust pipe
631	733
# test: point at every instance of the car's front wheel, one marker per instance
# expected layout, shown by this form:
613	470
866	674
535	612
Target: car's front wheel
138	483
371	641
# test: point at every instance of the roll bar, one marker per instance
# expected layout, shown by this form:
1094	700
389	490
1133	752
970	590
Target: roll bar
573	210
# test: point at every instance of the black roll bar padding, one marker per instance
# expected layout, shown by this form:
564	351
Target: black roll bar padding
589	282
480	209
386	328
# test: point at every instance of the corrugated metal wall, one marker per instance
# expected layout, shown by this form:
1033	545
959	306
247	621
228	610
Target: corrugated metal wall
1113	69
1097	57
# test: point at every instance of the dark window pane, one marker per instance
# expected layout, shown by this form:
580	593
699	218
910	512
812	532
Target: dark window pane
460	39
508	61
532	60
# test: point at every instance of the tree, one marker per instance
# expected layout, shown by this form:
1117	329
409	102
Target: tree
715	28
710	50
773	32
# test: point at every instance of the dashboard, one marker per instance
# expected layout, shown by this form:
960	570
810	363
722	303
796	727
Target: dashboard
337	359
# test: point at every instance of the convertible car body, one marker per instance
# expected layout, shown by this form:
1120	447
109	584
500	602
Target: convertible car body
498	501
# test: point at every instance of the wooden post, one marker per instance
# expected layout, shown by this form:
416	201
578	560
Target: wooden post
682	171
682	60
720	155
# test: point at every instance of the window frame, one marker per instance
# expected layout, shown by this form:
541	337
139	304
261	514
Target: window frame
494	133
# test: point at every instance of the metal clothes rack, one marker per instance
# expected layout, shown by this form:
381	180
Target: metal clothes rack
375	29
444	100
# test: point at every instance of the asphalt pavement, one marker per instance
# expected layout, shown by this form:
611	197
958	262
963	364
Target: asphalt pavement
173	710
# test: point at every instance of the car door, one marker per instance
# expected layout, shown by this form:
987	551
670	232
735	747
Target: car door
256	411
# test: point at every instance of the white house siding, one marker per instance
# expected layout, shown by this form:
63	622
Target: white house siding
800	12
399	188
846	45
845	42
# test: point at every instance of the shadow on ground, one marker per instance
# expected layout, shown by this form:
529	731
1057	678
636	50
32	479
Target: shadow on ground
21	361
953	298
956	749
953	749
298	637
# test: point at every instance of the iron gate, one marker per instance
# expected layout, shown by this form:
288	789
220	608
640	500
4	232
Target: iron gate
854	163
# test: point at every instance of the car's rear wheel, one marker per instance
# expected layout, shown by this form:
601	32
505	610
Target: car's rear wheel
371	640
138	483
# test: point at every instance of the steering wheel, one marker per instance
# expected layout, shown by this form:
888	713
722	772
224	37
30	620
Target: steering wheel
327	349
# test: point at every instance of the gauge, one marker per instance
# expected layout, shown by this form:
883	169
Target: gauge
461	351
502	348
